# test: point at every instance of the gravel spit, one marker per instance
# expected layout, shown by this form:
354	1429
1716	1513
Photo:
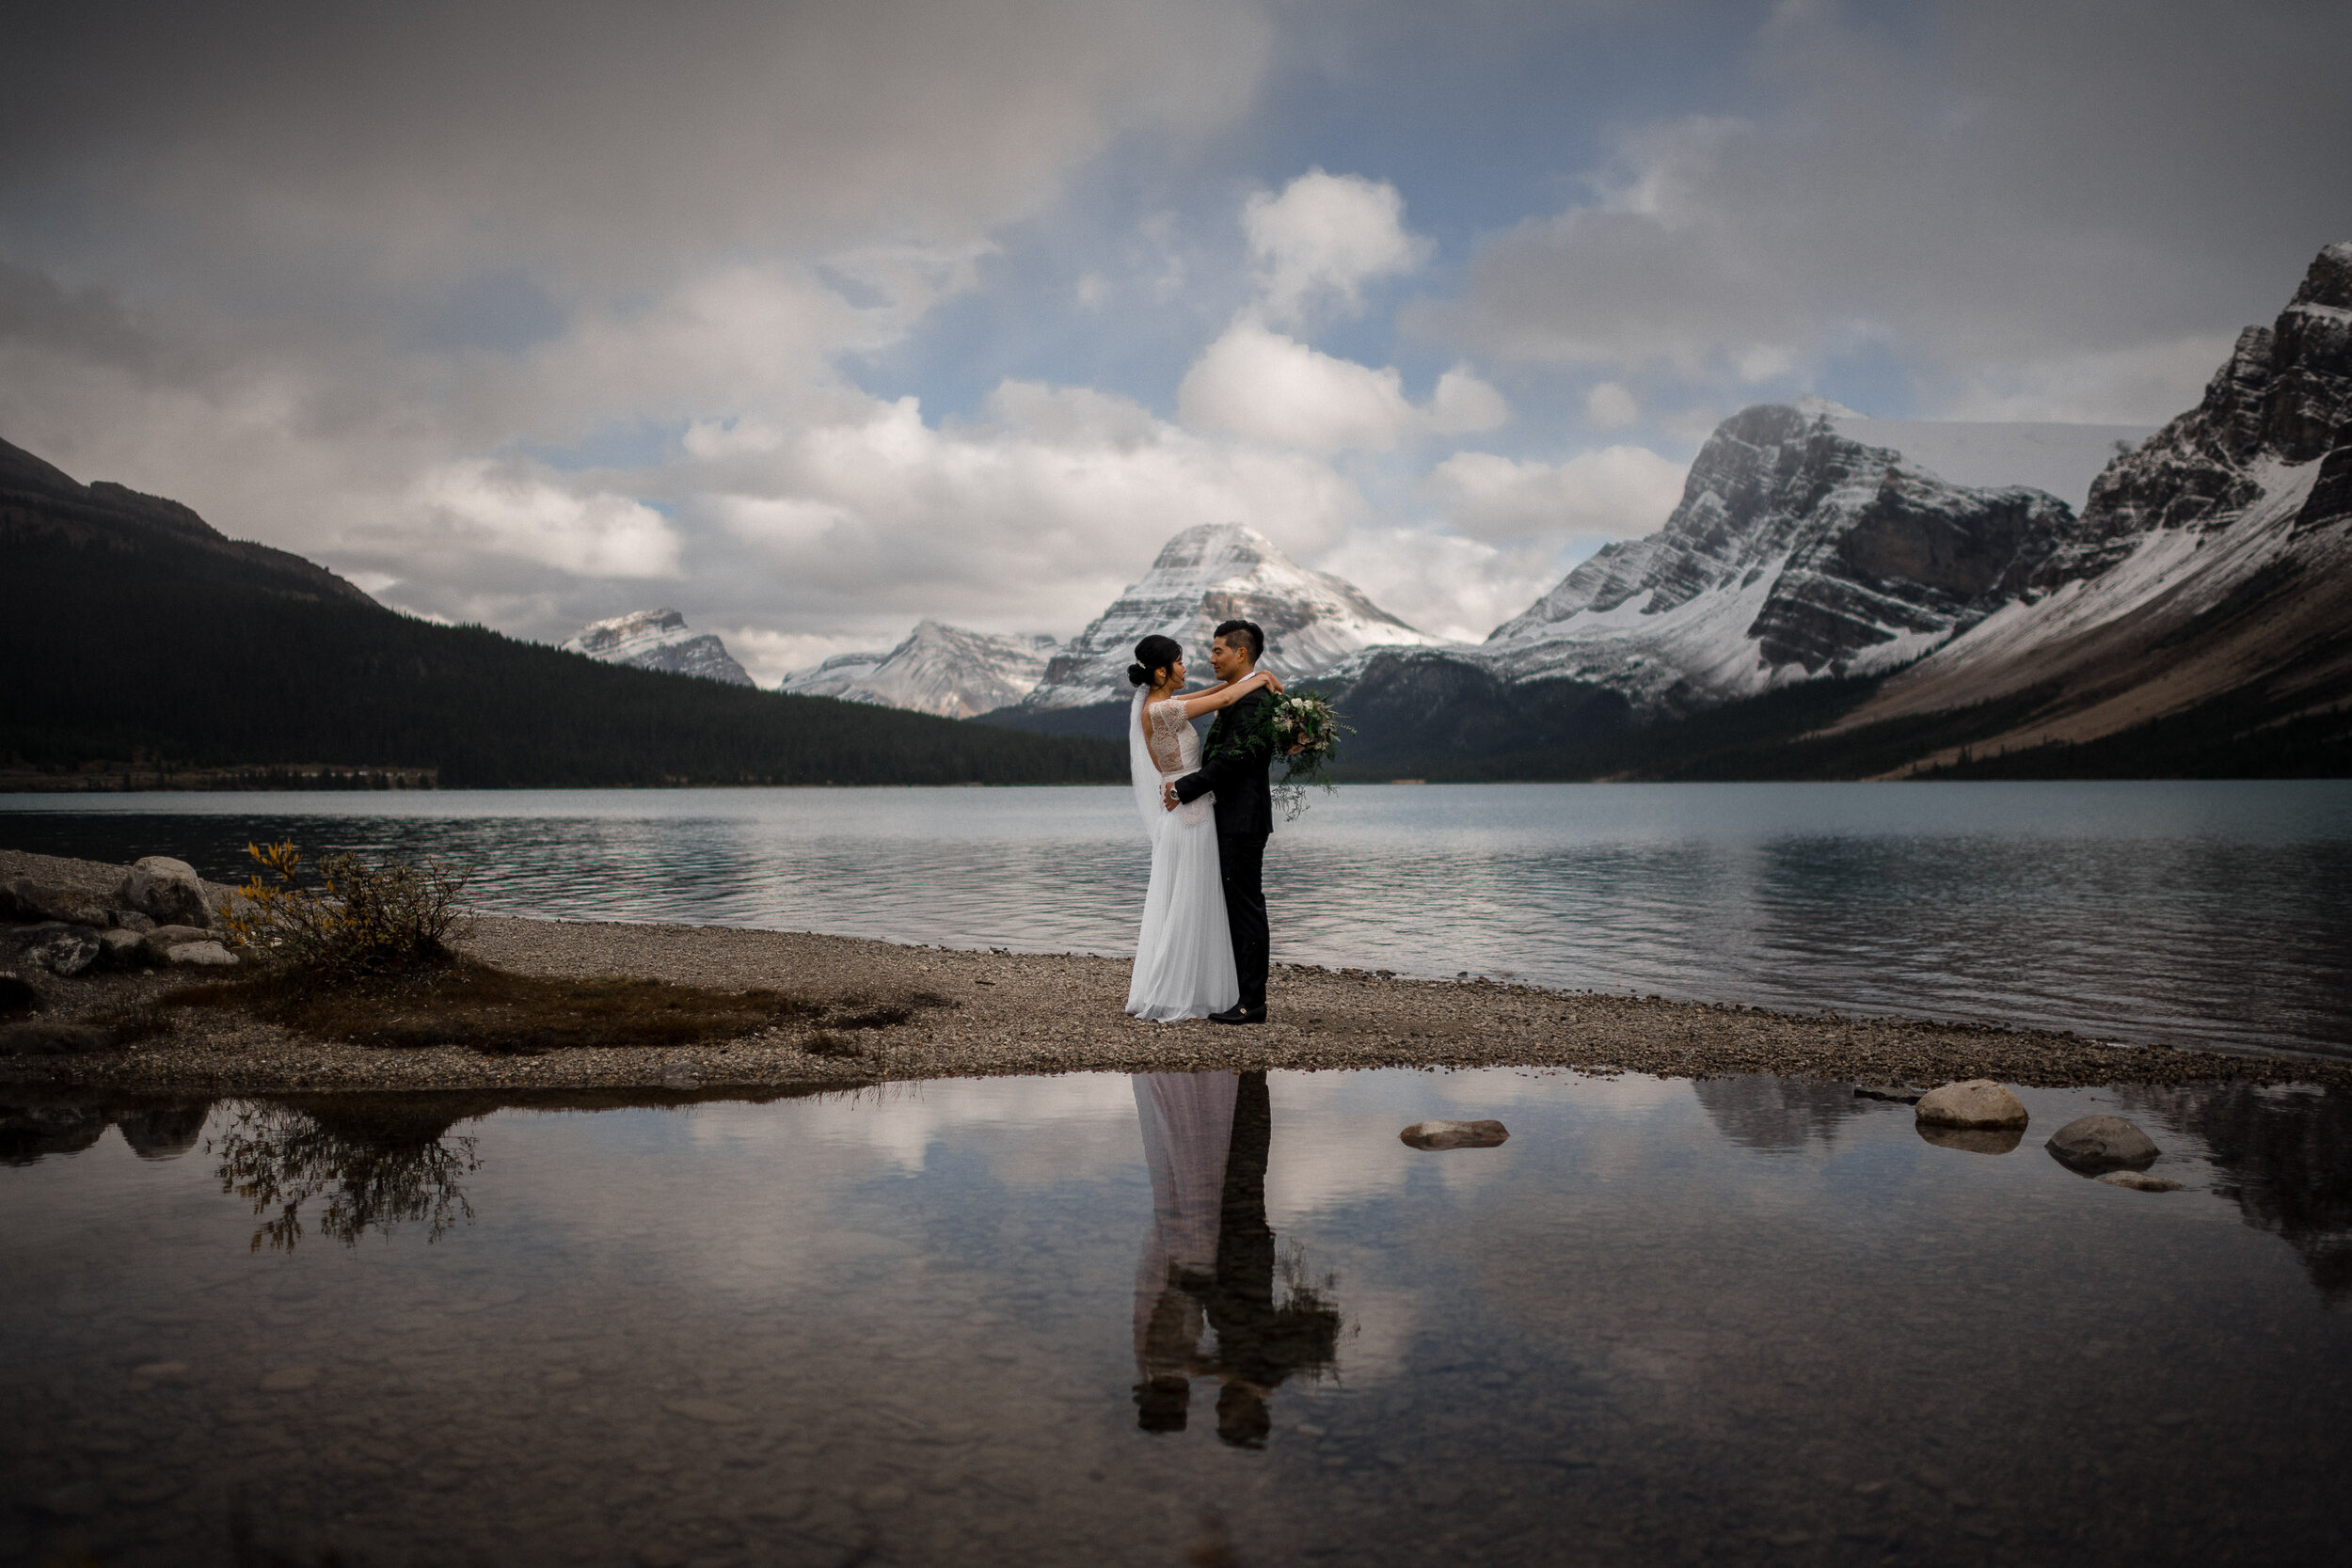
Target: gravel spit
1044	1013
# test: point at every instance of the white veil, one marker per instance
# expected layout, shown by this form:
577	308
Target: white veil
1143	770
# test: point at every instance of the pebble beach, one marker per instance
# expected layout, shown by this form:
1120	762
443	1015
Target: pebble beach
989	1013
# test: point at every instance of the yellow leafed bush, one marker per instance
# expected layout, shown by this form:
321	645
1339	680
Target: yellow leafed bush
350	918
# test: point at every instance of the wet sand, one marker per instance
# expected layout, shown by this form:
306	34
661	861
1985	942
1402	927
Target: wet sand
980	1014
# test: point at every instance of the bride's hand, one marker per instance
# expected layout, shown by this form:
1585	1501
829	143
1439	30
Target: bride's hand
1273	681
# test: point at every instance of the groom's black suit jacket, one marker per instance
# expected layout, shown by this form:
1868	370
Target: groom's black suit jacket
1233	761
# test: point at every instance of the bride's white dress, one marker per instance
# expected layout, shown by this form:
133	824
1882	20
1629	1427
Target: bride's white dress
1185	952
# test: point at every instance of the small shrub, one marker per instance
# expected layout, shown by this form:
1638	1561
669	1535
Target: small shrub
354	919
824	1042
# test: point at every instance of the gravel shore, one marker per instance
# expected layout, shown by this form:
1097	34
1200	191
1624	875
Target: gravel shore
989	1013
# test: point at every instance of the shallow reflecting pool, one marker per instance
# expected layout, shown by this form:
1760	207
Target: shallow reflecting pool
1183	1320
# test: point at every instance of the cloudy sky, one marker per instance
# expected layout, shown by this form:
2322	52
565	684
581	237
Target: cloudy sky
811	320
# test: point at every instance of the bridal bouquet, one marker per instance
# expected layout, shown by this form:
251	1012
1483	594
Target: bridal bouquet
1305	731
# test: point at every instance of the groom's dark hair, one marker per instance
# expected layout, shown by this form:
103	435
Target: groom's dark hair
1246	635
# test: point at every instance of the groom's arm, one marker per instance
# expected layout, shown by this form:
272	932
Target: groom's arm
1228	767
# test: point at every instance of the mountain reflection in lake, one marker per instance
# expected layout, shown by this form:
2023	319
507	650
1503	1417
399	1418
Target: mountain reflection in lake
1213	1317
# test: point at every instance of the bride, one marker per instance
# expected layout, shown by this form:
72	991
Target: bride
1184	953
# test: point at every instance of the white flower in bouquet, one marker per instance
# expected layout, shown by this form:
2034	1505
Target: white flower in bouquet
1305	730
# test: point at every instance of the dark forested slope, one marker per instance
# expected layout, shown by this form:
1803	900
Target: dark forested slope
130	627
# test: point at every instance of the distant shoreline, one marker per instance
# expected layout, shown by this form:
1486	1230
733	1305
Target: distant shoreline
1030	1014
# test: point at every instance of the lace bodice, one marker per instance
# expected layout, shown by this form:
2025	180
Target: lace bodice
1174	744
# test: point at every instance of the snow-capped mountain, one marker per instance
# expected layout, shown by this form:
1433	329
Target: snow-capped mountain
1220	572
1796	551
657	640
2213	562
835	677
942	670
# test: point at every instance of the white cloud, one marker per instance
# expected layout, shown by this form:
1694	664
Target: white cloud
517	513
768	655
1610	405
1259	384
1032	523
1618	492
1323	238
1463	405
2037	218
1447	585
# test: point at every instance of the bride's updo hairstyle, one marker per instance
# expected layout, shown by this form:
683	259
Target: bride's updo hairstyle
1152	654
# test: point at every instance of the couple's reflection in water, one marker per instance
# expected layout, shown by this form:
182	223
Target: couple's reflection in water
1205	1307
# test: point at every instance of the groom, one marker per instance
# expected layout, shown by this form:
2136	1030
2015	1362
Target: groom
1233	764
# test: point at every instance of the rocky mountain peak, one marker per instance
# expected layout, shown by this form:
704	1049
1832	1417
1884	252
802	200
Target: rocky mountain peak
1208	574
2283	398
1794	550
598	638
953	672
657	640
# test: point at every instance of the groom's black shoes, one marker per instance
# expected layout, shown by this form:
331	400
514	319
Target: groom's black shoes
1238	1014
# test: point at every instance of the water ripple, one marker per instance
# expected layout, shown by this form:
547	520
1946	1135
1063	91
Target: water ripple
2215	913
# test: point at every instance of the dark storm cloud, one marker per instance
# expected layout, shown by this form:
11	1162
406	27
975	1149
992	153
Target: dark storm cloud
1994	182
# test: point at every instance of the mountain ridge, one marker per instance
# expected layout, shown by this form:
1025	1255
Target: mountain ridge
2213	564
950	672
137	630
1205	574
657	640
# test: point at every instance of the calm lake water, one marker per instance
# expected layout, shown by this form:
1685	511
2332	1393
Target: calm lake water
1225	1319
2194	913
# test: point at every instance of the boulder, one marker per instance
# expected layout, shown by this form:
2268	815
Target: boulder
167	890
1971	1140
67	951
1977	1102
2102	1143
201	954
39	1038
163	939
16	995
25	899
121	949
16	902
2141	1181
1455	1135
131	920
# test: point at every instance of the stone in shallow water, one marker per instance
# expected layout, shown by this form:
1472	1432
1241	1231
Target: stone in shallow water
1975	1102
2141	1181
1455	1135
2101	1143
1972	1140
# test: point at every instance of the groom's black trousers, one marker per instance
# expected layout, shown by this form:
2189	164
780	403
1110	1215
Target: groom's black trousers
1241	863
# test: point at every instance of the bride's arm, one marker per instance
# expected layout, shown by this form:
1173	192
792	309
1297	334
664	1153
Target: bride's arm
1227	694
